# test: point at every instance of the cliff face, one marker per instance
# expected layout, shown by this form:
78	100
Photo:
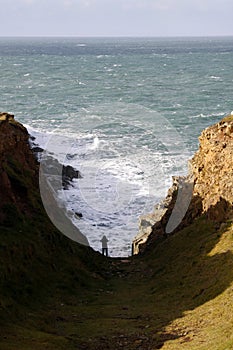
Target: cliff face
19	180
208	189
36	258
18	168
56	294
212	168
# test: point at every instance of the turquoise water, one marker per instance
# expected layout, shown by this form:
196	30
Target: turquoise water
130	111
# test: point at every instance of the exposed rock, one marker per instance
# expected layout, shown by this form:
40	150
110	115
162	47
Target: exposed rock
212	167
37	149
19	180
208	188
78	215
68	174
6	116
148	221
18	167
64	174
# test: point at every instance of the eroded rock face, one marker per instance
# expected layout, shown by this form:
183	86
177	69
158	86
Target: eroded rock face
209	185
149	221
6	116
18	167
20	198
212	167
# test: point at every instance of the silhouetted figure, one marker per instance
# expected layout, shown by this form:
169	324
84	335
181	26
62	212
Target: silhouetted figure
104	241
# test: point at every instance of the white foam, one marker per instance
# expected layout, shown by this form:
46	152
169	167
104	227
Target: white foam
215	77
201	115
95	144
121	181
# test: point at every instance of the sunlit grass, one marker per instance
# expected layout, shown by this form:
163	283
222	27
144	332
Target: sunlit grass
178	296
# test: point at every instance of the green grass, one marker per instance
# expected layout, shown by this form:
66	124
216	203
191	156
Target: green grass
177	296
58	295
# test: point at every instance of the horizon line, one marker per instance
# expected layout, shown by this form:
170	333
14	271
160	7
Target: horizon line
118	36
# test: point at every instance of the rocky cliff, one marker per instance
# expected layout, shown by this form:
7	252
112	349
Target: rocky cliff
56	294
19	180
18	168
35	256
212	169
207	189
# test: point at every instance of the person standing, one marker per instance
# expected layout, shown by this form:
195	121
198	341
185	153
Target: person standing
104	241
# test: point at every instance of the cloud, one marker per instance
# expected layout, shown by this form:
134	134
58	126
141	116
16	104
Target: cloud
28	2
79	3
123	5
175	5
68	3
116	17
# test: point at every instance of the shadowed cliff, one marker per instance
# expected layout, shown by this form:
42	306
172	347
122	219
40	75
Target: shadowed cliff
56	294
36	260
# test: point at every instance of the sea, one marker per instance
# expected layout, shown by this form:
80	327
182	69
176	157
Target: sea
125	112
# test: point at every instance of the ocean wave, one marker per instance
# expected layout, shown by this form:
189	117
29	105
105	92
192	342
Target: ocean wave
215	77
211	115
120	181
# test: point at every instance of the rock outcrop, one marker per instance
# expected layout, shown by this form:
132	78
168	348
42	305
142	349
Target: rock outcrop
37	261
212	168
18	167
66	172
207	189
19	181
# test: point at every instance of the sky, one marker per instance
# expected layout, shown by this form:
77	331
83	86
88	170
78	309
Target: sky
116	17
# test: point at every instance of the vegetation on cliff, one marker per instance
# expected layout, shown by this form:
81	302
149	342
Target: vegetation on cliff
36	260
56	294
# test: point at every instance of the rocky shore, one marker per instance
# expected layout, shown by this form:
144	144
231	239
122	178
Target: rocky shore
208	188
19	178
177	294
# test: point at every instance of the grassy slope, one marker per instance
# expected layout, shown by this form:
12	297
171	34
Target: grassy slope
57	295
178	296
38	265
